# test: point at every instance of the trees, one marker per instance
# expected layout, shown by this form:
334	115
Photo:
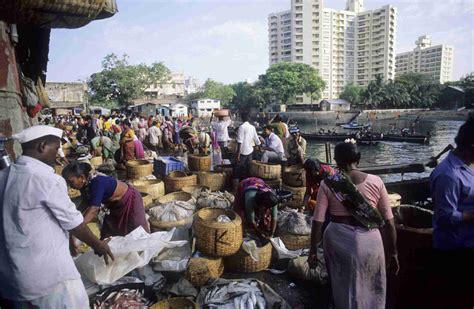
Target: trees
120	82
287	79
372	95
423	91
352	93
249	95
467	84
215	90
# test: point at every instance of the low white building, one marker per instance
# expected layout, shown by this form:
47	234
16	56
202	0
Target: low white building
179	110
204	107
335	105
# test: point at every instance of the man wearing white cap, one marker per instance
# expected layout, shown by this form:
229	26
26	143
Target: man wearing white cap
36	268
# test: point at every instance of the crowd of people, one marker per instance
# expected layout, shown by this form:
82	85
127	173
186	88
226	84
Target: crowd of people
350	209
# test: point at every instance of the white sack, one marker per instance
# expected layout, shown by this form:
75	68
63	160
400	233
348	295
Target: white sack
131	251
282	251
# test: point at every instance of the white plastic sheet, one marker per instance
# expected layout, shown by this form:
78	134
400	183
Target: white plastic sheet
131	251
282	251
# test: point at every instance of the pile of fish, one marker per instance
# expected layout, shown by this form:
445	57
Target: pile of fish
125	298
236	295
222	200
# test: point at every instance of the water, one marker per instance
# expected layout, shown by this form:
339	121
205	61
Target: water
443	133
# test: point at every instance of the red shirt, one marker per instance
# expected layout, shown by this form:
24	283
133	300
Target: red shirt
313	182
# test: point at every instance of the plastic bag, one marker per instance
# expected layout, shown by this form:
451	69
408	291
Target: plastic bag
172	211
281	250
251	248
222	200
131	251
174	259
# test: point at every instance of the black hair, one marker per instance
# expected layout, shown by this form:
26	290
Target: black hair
48	139
277	118
266	198
154	123
269	127
312	165
346	154
245	116
465	137
76	169
127	123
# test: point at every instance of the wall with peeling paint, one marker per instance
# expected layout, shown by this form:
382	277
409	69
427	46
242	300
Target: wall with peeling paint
13	117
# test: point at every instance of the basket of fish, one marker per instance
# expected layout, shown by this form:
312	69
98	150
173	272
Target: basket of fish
129	295
175	303
239	294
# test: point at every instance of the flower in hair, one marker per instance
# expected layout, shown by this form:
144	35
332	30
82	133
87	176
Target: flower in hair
350	140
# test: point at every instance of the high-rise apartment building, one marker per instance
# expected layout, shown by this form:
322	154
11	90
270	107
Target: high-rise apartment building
345	46
434	61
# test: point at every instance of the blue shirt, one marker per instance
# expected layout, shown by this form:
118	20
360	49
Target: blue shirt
452	190
101	188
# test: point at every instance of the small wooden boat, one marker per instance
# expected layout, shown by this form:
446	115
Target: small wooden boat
354	126
419	139
341	137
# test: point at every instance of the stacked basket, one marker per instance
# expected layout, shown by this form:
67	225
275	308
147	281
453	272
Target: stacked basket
215	181
199	163
154	188
177	180
270	173
294	178
243	262
137	169
159	225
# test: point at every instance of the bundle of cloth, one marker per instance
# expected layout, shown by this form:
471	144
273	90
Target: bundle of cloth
173	211
222	200
292	221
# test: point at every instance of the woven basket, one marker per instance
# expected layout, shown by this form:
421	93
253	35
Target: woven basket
198	163
175	196
217	238
147	200
194	190
265	170
138	168
215	181
294	176
154	187
295	242
200	270
395	199
242	262
228	170
176	180
158	225
296	200
96	162
274	183
175	303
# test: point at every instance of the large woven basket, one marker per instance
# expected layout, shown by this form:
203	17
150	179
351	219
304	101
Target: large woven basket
175	303
201	270
154	187
265	170
158	225
197	163
296	200
243	262
295	242
217	238
294	176
147	200
137	169
175	196
228	170
274	183
215	181
176	180
96	161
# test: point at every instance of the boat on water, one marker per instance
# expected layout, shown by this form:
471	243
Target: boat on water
355	126
419	139
373	138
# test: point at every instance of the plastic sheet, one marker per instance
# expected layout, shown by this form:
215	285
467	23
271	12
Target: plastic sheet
131	251
281	250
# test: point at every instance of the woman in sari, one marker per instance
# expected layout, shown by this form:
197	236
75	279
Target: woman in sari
127	142
124	204
142	127
360	212
256	204
315	173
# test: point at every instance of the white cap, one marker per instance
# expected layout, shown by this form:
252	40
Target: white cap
35	132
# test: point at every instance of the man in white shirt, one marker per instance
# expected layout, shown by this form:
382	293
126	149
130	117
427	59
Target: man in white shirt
36	268
222	133
154	136
246	139
273	148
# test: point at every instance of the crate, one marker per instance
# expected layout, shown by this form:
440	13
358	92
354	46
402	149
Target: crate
164	165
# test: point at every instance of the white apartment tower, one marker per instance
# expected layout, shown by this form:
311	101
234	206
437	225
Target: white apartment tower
434	61
345	46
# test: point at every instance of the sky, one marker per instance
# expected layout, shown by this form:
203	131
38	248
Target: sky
227	40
